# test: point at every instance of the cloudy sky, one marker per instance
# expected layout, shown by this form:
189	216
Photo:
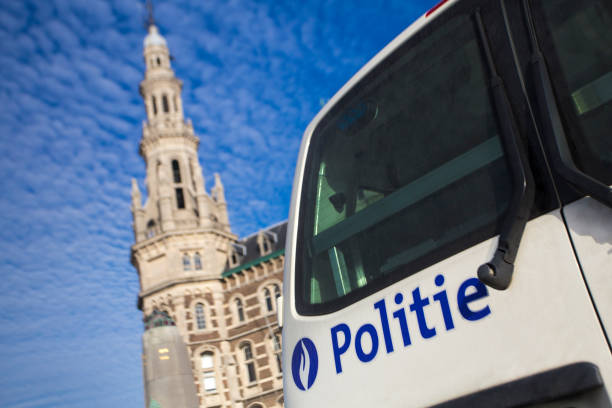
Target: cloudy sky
254	72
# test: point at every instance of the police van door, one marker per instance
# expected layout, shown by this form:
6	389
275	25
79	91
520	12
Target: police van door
570	71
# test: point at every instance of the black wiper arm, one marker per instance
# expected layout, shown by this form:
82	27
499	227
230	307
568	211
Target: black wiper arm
497	273
552	129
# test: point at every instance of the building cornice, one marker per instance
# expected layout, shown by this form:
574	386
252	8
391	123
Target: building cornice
198	279
153	134
166	76
172	283
178	233
253	263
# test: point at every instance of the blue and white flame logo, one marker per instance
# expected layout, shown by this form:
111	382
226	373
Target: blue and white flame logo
304	364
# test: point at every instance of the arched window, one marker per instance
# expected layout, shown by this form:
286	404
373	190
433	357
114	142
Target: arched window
158	62
150	229
176	171
154	104
207	362
180	198
276	346
165	103
268	299
200	319
277	291
197	262
249	362
186	262
239	310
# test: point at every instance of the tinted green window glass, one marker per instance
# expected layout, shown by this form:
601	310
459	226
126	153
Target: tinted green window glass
577	42
406	170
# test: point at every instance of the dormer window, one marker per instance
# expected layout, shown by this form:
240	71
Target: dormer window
236	252
265	241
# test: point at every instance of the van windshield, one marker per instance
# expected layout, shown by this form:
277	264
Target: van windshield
406	170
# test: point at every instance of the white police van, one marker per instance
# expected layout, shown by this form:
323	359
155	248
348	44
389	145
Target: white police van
450	235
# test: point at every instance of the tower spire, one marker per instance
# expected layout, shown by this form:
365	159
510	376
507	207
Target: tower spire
150	18
176	195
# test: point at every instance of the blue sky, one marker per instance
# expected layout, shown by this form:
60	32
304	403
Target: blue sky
254	74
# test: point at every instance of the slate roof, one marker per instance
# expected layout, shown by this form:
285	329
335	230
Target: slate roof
253	255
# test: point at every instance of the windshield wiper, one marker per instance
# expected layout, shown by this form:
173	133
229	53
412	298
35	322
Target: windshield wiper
497	273
552	129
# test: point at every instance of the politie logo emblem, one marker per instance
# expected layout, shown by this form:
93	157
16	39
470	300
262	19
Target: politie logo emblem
304	364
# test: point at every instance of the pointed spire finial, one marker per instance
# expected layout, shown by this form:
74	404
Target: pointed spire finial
136	202
150	19
218	180
135	189
217	191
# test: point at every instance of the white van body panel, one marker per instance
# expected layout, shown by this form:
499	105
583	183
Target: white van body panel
590	226
543	321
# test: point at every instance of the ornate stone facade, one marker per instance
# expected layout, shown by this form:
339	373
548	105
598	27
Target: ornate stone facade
220	291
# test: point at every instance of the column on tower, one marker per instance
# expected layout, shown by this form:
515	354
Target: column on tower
138	213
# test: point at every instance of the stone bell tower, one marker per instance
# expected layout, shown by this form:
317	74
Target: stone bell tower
177	199
182	233
178	209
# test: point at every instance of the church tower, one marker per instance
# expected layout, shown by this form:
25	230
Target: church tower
178	211
209	300
182	233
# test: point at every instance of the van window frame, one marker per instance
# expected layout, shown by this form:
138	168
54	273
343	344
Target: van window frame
304	308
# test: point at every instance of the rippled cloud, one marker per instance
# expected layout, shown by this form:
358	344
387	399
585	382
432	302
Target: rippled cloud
254	73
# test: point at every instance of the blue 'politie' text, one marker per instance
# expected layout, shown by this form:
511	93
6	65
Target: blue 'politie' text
469	291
